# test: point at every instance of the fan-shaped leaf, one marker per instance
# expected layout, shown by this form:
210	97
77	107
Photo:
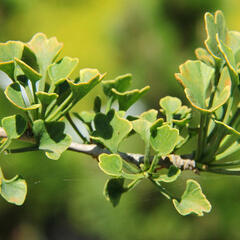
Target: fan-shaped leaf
13	190
51	137
8	51
14	94
113	190
127	99
203	55
110	129
46	51
195	76
31	74
60	71
89	78
111	164
171	176
121	84
193	200
164	140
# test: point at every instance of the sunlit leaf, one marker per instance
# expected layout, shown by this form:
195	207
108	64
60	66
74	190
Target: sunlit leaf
203	55
14	126
51	138
195	76
8	51
110	129
193	200
111	164
14	94
13	190
89	78
171	176
164	140
31	74
127	99
121	84
60	71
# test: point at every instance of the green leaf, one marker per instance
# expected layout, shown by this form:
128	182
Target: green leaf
13	190
143	125
51	138
230	60
195	76
182	116
150	115
121	84
31	74
165	139
127	99
110	129
203	55
60	71
29	58
8	51
14	94
193	200
111	164
113	190
85	116
223	90
171	176
89	78
46	99
97	104
228	129
215	25
170	105
14	126
46	51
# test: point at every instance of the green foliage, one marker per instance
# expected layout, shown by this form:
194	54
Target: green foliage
43	89
193	200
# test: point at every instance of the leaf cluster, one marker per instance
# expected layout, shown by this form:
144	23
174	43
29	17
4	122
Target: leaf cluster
43	89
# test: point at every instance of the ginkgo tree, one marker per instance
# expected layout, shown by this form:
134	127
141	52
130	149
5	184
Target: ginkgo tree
43	89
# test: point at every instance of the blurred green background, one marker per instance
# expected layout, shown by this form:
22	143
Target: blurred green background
148	38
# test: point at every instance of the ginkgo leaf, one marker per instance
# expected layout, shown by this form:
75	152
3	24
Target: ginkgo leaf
193	200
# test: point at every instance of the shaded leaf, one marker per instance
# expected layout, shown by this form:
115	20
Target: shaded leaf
111	129
111	164
228	129
97	104
113	190
51	138
165	139
193	200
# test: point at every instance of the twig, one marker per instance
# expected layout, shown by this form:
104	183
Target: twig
95	150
